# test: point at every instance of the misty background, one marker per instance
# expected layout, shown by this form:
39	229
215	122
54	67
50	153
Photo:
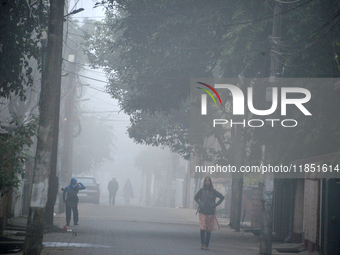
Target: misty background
96	105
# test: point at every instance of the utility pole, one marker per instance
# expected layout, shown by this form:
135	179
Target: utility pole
67	151
237	183
53	179
49	101
237	178
267	214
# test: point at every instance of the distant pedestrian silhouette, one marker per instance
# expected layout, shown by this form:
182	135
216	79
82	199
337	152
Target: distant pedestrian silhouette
112	187
128	191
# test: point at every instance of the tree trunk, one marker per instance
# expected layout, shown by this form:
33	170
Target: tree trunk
49	101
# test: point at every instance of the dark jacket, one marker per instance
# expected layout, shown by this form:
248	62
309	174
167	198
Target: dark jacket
206	200
71	192
113	186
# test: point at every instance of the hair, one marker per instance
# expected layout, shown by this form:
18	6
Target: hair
211	185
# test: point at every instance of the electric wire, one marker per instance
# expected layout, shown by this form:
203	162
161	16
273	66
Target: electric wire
205	24
85	65
87	77
315	33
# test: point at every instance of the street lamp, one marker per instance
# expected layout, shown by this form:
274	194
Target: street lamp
74	12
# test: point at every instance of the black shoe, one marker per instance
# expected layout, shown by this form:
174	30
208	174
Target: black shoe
76	224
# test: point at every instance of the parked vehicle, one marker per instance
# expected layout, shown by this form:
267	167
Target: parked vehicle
92	192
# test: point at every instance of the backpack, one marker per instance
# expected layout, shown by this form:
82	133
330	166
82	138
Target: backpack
71	196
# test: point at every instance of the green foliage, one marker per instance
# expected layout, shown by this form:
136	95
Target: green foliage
20	36
151	49
155	48
162	130
176	132
245	41
15	149
19	42
306	47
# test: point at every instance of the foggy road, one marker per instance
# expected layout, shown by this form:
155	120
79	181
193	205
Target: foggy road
131	230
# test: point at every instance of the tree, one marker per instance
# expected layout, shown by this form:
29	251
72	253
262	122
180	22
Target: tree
15	149
20	37
306	50
162	130
157	163
150	63
157	47
20	34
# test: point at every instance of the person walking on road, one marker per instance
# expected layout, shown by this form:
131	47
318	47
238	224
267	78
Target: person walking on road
206	200
128	191
112	187
70	198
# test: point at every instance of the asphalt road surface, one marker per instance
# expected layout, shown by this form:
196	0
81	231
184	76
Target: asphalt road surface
133	230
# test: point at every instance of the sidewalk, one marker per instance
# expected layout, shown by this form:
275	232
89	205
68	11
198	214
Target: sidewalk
56	242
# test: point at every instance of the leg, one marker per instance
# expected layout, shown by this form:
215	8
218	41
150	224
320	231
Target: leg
75	214
68	215
113	198
110	197
202	237
207	239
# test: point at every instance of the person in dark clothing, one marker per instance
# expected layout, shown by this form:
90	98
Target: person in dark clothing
71	199
206	200
128	191
112	187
